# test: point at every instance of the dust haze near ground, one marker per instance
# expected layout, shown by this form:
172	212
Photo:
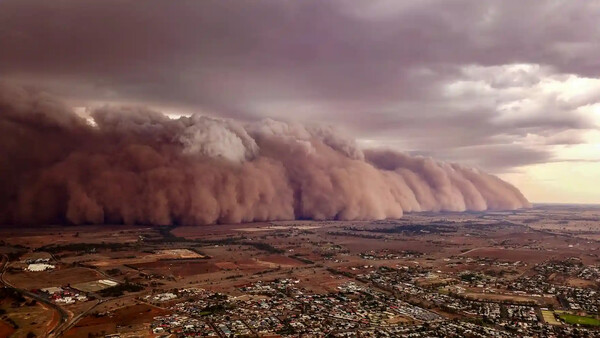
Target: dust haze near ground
132	165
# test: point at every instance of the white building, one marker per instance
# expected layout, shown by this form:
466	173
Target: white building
40	267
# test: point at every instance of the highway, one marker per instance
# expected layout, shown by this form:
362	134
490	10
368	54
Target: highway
56	330
72	322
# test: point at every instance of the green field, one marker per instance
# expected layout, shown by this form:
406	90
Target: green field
573	319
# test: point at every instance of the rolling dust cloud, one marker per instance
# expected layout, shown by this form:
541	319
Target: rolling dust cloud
127	165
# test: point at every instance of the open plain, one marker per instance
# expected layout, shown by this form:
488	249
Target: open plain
532	272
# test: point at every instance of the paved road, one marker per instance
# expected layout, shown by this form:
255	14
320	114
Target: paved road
63	314
66	326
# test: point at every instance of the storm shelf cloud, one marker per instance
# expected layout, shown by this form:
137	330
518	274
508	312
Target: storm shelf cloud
137	166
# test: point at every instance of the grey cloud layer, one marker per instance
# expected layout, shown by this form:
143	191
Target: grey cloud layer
381	69
134	166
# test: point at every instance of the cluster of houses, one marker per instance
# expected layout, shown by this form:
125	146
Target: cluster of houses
591	273
521	313
282	307
171	295
384	302
580	299
522	319
455	261
570	266
386	254
574	298
452	329
65	295
182	325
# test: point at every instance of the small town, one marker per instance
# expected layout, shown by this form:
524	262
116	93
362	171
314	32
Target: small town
382	303
312	279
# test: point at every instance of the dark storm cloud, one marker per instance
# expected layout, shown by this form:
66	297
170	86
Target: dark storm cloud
381	69
137	166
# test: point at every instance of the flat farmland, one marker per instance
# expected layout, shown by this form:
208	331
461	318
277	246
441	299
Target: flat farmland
320	281
178	268
246	264
6	329
94	286
195	232
137	258
59	277
424	259
38	318
38	237
524	255
279	260
358	245
126	316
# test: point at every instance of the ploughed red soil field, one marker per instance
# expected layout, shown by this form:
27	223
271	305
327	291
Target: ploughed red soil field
58	277
6	329
39	236
282	260
178	268
131	315
436	261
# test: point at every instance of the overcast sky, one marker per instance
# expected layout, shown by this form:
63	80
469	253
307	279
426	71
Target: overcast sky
512	87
